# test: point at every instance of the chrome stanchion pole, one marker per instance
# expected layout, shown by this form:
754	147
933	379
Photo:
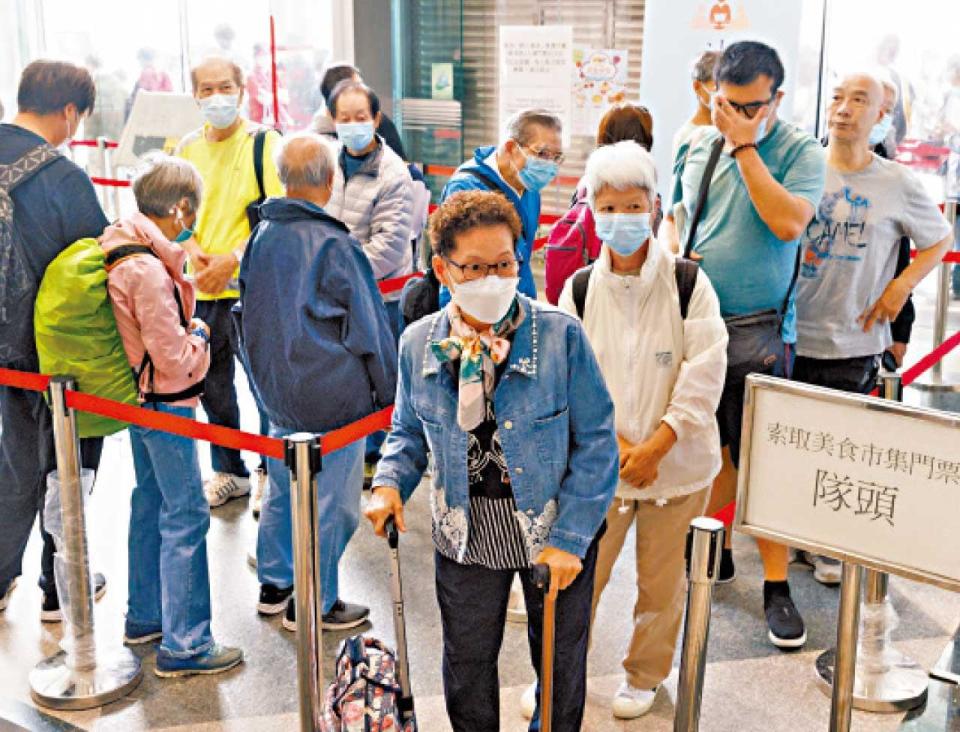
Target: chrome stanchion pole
886	679
109	172
935	381
82	675
304	461
841	705
704	540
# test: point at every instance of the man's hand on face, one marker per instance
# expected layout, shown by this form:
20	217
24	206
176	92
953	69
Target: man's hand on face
215	277
737	129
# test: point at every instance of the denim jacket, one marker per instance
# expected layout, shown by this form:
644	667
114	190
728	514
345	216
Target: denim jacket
556	426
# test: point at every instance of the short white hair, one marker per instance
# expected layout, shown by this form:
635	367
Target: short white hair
622	166
304	159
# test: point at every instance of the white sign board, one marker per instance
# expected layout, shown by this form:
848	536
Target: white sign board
857	478
157	122
536	63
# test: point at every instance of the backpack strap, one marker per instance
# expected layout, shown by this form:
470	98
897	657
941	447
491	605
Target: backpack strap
259	143
24	168
581	282
117	255
694	222
686	274
483	178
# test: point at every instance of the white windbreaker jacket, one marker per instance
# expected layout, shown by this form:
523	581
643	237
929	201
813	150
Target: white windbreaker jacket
657	366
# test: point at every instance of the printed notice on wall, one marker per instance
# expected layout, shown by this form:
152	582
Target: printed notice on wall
599	83
832	472
535	69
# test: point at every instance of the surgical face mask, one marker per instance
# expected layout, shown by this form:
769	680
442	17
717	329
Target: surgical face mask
220	110
183	236
536	174
880	130
623	233
487	299
355	136
762	129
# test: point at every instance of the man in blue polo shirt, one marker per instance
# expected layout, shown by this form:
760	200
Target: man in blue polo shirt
768	181
519	168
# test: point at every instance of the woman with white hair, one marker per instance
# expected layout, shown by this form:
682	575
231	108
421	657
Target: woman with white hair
168	351
654	323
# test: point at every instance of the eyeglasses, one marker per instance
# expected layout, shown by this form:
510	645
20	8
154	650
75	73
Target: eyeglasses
750	109
547	155
506	268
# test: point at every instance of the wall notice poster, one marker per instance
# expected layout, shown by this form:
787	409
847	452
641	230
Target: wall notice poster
599	83
535	69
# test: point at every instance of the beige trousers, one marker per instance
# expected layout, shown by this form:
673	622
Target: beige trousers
661	581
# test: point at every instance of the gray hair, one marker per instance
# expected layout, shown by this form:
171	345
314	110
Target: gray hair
519	126
621	166
163	181
304	160
705	66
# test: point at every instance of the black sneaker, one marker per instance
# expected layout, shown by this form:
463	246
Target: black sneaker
273	599
786	629
728	571
342	616
5	596
50	608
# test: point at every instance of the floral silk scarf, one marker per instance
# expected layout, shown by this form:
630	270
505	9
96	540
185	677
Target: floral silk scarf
479	355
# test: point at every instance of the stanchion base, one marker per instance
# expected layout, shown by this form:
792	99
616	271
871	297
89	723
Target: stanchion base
902	686
948	667
55	685
937	383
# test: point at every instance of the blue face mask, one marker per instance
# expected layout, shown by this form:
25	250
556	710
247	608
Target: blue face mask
355	136
623	233
536	174
762	129
220	110
183	236
880	130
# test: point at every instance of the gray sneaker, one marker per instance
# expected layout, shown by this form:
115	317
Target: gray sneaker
342	616
213	661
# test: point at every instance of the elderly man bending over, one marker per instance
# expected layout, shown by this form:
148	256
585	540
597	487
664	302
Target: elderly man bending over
315	334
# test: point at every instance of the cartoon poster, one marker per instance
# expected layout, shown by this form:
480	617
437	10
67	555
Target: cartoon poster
599	83
442	81
535	63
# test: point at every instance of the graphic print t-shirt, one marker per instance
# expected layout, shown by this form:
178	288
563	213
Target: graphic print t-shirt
849	255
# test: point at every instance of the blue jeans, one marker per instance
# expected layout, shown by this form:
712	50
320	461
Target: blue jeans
338	506
169	581
375	441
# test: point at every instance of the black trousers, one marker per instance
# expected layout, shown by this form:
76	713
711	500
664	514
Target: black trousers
219	399
26	457
473	610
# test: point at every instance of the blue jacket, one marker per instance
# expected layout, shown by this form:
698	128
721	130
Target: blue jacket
555	421
527	207
313	326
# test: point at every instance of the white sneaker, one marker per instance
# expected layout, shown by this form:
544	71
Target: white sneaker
528	702
630	703
224	486
826	571
259	490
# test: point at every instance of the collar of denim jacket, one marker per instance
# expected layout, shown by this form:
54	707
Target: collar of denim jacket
524	349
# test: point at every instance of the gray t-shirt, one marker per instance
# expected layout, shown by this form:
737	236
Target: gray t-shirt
849	255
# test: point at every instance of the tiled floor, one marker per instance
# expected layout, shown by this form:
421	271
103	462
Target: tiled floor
749	684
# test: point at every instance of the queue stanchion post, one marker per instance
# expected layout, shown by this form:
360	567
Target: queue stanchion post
108	171
886	680
303	458
848	621
935	381
83	674
704	542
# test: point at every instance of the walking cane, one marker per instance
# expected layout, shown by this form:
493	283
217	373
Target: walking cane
541	577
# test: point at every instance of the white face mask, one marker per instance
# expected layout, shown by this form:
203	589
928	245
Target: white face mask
488	299
220	110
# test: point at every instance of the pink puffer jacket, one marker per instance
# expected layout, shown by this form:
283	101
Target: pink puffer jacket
141	290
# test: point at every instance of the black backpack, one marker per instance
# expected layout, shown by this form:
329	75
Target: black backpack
18	282
685	272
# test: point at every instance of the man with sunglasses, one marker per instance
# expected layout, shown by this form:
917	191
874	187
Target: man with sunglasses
764	190
519	168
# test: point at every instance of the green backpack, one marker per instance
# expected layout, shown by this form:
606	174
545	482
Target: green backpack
76	332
